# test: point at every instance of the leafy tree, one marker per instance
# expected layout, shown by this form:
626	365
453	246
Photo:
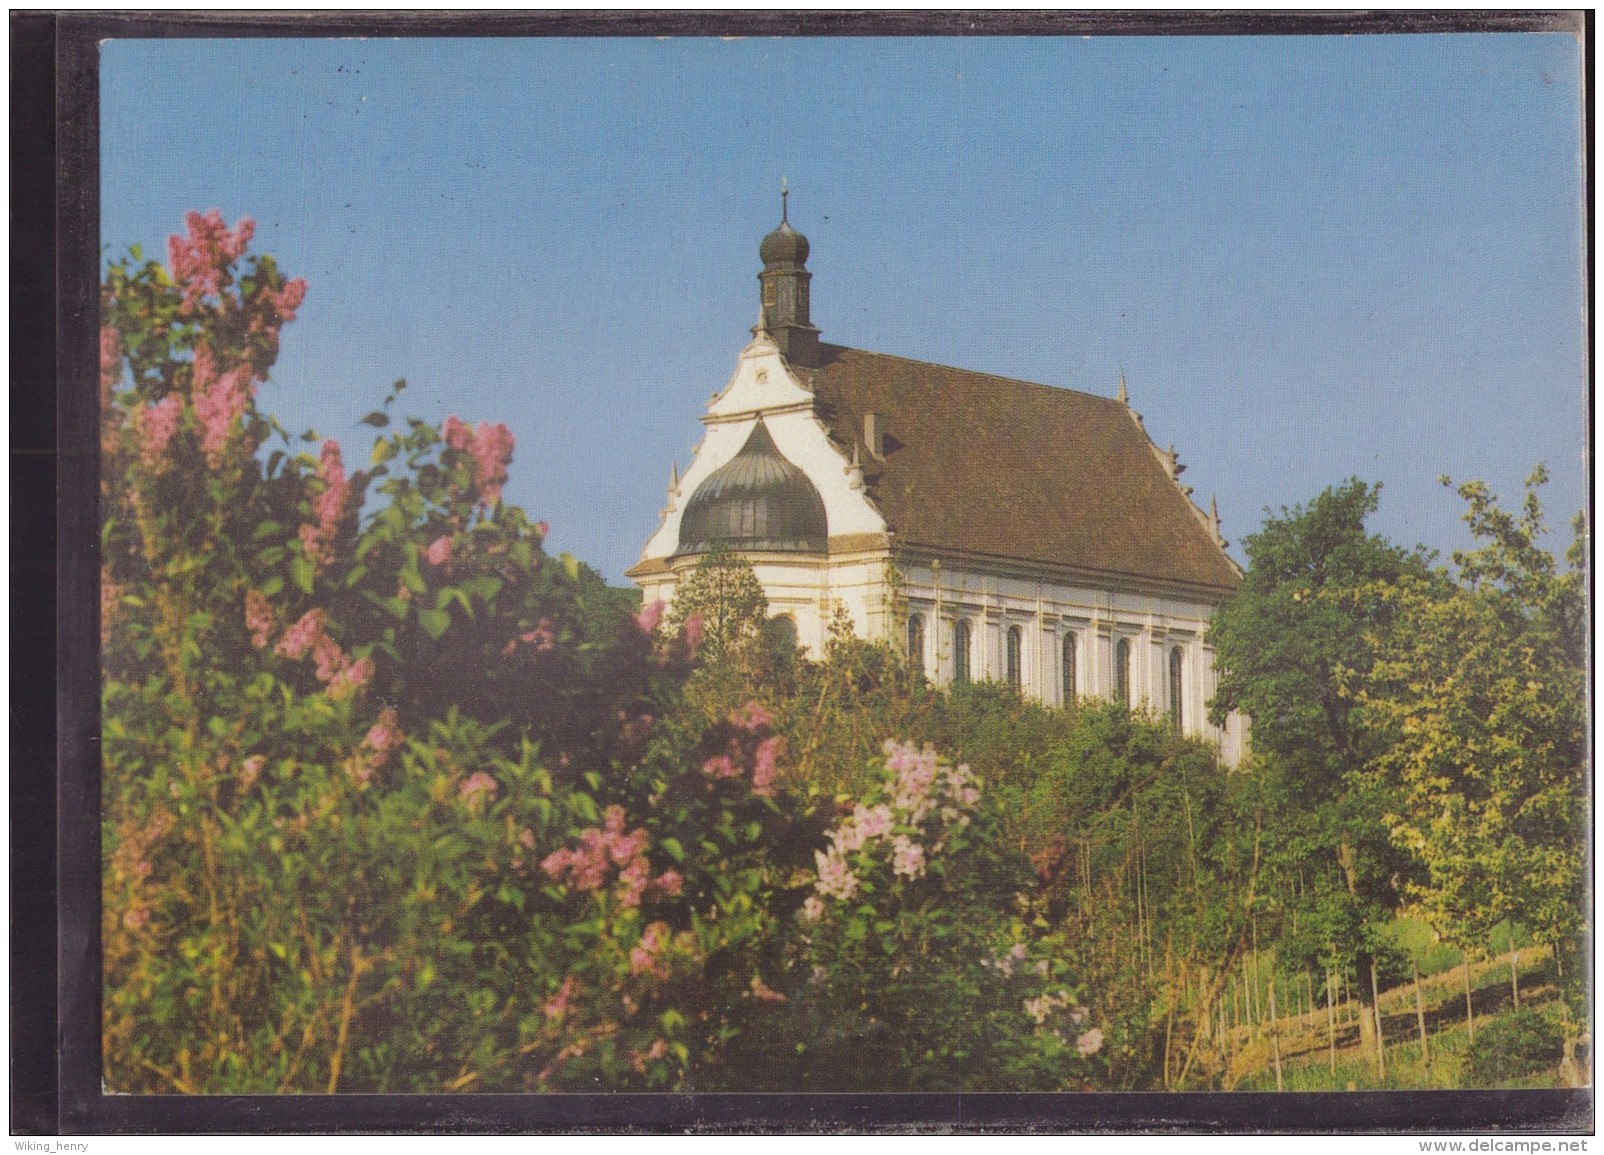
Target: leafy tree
1484	684
1292	645
723	605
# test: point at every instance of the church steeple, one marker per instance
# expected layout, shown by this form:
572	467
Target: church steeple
784	282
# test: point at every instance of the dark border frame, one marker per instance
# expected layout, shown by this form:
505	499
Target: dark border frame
55	997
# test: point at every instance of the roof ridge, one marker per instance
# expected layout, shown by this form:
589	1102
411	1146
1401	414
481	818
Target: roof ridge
972	372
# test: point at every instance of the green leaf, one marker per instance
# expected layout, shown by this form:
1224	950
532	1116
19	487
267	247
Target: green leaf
673	848
434	622
383	450
378	419
303	571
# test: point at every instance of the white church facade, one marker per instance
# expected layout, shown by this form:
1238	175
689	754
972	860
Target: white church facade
995	529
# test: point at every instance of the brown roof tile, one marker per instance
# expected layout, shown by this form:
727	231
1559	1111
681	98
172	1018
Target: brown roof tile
1009	469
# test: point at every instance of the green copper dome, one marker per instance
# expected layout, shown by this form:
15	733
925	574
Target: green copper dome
757	501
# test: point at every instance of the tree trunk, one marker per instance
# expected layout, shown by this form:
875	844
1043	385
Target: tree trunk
1359	1012
1381	1030
1470	1006
1420	1015
1275	1037
1514	969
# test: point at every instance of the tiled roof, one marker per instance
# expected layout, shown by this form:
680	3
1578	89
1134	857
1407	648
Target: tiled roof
1006	469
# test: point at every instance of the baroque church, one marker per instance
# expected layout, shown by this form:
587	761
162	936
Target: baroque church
996	529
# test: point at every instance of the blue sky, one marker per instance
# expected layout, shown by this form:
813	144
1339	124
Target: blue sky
1314	257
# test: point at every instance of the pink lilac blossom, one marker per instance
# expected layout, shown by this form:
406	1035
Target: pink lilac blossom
328	507
695	628
669	884
329	659
873	821
220	400
136	918
633	881
915	772
300	637
491	449
557	1006
585	866
848	837
478	788
439	551
907	857
259	618
751	717
720	766
351	679
457	434
288	299
836	879
646	621
156	425
250	770
646	958
199	261
1090	1043
812	909
384	736
763	766
639	1059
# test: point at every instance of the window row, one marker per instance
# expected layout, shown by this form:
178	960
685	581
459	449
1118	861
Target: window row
962	637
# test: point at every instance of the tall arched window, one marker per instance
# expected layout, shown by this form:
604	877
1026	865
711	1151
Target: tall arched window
1016	659
916	642
960	651
1175	688
1069	669
1122	671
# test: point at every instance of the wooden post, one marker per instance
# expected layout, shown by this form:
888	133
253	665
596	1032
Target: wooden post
1514	968
1381	1038
1470	1006
1420	1015
1331	1019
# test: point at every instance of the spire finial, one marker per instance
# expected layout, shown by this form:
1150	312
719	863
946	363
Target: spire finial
784	194
1124	397
1214	513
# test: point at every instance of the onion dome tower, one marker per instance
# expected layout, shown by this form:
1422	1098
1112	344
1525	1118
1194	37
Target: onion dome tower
757	501
784	281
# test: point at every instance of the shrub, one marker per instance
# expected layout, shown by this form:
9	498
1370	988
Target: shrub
1513	1046
916	962
388	799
